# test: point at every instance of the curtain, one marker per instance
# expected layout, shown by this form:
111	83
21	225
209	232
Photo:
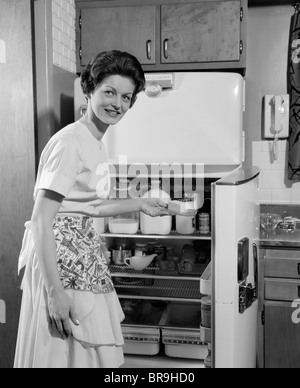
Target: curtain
294	92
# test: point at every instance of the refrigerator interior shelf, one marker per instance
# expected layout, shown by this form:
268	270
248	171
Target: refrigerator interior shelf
153	273
168	289
173	235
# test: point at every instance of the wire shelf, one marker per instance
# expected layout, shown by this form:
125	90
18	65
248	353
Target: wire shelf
155	272
167	289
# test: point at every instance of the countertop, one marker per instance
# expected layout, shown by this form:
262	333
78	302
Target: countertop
280	238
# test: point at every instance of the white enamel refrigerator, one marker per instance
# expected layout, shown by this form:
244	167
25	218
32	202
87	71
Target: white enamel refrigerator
196	118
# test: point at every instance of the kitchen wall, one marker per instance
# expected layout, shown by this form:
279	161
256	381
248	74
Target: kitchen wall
267	58
63	31
17	164
55	66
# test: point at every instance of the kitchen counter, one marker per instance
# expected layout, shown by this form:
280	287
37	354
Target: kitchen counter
280	238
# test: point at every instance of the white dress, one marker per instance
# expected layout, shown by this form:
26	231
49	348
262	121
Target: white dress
73	164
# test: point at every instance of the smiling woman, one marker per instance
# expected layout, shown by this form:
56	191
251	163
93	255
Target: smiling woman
70	315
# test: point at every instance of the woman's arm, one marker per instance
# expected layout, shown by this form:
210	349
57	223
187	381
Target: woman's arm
152	206
60	306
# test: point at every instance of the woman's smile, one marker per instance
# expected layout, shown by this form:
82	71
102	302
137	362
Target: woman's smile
112	99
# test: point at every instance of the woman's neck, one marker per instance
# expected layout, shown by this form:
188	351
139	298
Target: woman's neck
94	125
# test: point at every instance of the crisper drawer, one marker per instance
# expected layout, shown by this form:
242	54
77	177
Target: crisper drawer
141	340
282	263
282	289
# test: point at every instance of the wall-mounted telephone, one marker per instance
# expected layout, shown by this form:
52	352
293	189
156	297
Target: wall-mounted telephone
276	124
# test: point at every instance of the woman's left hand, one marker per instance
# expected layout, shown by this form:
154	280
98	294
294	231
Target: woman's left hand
154	207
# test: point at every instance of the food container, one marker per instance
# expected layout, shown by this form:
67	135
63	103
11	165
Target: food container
127	223
185	224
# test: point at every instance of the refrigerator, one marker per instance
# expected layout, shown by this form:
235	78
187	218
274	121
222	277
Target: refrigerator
195	120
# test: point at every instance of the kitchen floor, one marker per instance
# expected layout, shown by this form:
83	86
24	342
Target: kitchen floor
142	362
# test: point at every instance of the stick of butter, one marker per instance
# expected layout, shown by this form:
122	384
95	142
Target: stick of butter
177	206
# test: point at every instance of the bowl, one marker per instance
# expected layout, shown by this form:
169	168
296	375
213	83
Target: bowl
269	221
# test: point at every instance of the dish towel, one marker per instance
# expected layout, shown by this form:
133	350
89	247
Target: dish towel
294	91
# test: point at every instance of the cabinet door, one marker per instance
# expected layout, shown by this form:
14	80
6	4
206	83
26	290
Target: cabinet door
201	32
130	29
282	337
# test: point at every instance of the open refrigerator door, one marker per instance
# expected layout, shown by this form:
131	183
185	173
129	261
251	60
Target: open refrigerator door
234	270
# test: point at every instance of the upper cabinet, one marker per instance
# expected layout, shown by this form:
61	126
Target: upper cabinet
165	35
129	29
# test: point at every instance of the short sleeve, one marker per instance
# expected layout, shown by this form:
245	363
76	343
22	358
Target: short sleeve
60	163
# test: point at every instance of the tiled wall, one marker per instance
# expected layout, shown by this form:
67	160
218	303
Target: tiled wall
274	186
63	20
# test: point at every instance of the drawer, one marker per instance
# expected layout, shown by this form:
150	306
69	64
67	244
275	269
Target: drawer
282	264
282	289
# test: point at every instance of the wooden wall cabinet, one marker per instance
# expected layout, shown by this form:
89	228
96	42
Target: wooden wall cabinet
165	35
279	333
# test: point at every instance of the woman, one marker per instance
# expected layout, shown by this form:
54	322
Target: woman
70	314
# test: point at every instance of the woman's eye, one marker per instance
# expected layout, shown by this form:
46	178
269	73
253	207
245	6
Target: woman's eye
109	93
127	98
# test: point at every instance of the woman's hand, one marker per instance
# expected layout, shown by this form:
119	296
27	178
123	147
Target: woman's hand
154	207
61	310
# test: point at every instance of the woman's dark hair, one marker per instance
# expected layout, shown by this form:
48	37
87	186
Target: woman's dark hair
110	63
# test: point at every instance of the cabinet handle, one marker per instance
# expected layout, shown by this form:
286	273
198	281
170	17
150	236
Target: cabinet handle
148	46
298	268
166	55
298	291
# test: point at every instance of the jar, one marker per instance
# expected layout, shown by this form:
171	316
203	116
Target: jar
190	199
140	249
156	225
185	224
121	251
127	223
204	223
207	361
206	312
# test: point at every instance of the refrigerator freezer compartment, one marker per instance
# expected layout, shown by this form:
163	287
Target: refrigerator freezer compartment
141	340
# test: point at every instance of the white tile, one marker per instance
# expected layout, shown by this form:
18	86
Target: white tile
281	196
264	195
261	159
295	196
272	179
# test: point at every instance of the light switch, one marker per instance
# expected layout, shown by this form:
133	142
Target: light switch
276	114
2	51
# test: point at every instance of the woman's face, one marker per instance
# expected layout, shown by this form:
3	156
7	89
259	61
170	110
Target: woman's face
112	98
